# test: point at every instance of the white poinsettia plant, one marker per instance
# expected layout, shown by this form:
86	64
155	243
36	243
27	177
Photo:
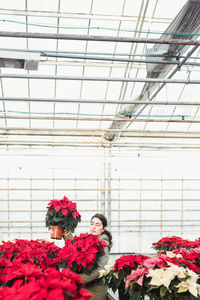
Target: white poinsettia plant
163	283
164	277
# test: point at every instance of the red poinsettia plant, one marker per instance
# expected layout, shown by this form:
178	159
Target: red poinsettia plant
40	253
62	213
81	253
123	266
26	281
174	242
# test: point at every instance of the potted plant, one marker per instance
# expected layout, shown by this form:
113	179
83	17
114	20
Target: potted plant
171	243
62	215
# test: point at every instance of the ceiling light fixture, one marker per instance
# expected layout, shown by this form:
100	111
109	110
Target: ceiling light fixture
20	60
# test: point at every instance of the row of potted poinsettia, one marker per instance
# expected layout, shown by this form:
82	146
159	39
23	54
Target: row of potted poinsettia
167	277
175	242
41	270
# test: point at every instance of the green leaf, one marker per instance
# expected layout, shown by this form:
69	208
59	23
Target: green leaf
136	296
163	291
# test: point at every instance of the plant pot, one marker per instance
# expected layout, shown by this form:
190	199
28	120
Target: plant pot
159	253
56	232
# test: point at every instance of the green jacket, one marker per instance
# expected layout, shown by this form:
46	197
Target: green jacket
94	284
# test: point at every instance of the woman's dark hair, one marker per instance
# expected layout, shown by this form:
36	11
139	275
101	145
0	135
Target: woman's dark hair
104	221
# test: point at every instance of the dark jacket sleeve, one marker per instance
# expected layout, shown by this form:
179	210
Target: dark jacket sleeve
90	277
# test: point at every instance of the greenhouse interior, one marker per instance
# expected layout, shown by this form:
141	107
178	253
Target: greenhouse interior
100	116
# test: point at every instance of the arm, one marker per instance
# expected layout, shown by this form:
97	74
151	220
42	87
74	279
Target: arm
87	278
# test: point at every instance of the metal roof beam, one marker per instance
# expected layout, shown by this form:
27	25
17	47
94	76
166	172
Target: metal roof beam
37	35
95	101
113	79
120	118
97	133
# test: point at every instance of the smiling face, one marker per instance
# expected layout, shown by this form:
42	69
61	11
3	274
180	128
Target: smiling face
96	226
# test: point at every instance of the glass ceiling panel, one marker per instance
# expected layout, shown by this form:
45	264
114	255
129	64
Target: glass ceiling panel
92	90
12	23
63	124
42	25
14	87
154	126
108	18
44	5
123	47
41	88
191	93
41	44
75	6
110	7
12	4
41	108
109	28
114	90
92	110
8	42
195	127
109	109
69	70
67	107
127	28
73	26
68	89
20	123
164	8
41	124
89	124
16	106
99	72
177	127
67	45
94	46
132	8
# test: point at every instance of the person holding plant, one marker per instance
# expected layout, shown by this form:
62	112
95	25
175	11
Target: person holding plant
93	283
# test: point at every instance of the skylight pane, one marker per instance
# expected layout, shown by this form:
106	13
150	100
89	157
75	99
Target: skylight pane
41	88
114	91
71	45
164	9
90	90
44	5
104	28
73	26
14	87
13	23
12	4
41	123
68	89
111	7
76	6
42	25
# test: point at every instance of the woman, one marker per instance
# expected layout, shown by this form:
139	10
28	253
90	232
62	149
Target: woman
93	283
